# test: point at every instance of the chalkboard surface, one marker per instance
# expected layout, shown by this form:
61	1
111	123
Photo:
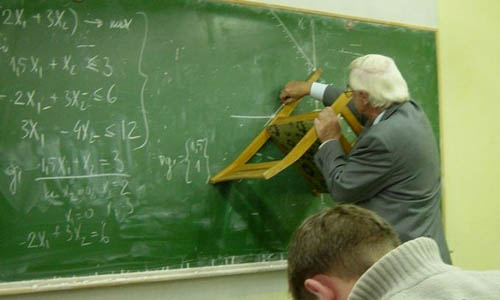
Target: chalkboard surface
114	114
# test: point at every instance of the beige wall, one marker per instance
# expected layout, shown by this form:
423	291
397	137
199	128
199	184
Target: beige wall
421	12
469	48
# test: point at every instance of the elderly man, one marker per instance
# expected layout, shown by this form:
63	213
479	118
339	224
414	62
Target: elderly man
394	167
348	252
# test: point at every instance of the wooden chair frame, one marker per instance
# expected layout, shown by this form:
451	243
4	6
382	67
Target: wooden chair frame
240	168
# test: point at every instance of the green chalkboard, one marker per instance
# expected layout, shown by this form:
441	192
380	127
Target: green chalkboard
114	114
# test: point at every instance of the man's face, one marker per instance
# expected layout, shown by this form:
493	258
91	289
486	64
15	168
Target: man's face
357	99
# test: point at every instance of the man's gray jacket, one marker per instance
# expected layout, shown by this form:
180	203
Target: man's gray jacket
393	170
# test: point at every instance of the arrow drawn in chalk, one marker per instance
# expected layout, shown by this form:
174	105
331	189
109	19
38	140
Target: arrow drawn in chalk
97	22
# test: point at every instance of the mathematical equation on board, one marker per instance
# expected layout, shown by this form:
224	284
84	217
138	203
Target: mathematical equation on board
115	198
75	230
83	164
85	62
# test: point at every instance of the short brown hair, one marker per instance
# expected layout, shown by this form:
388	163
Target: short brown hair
343	241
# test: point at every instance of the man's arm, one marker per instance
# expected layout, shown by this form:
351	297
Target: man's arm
295	90
358	176
332	93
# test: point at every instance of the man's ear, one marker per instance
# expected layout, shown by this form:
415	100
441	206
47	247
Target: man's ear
364	98
322	286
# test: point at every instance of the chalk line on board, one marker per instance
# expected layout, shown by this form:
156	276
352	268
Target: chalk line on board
313	34
292	38
350	52
146	77
83	176
250	117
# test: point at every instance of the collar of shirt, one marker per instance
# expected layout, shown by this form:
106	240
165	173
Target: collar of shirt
378	118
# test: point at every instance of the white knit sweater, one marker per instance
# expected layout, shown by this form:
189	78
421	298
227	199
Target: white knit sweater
415	270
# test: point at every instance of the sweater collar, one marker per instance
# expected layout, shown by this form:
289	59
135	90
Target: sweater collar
402	267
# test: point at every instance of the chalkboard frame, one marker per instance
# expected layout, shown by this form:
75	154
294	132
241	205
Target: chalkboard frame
79	282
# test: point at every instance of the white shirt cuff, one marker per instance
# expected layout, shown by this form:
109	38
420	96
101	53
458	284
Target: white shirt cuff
318	90
325	143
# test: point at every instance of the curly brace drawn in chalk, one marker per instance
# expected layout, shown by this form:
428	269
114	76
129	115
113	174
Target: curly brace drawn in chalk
146	77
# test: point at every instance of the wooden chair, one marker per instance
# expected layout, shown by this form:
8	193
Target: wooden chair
295	149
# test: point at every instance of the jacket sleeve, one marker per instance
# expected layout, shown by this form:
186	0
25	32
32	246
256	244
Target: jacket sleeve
358	176
332	93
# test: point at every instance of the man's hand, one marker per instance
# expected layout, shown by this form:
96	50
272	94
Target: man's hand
294	90
327	125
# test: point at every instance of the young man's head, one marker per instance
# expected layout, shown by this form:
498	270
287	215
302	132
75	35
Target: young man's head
333	248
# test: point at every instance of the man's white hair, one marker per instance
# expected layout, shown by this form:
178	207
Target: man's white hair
379	76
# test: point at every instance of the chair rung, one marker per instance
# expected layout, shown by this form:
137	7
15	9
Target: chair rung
257	166
296	118
241	174
249	170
